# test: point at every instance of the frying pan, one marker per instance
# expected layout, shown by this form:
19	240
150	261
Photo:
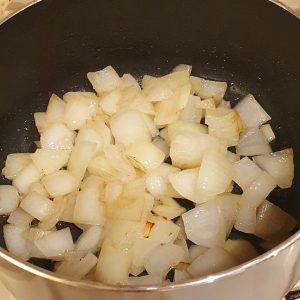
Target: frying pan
252	44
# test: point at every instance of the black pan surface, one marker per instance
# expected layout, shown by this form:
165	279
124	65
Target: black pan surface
252	44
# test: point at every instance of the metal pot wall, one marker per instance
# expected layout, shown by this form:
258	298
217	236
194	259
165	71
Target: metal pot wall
252	44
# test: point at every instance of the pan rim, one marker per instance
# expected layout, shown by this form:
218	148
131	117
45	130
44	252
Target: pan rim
57	278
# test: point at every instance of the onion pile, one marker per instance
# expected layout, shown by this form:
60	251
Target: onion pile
117	164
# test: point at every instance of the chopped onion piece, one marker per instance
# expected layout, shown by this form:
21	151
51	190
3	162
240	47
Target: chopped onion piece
208	88
191	112
20	218
104	80
183	245
183	127
164	231
232	157
187	149
90	240
279	165
128	126
88	207
15	241
211	261
9	199
268	132
112	191
251	112
184	182
163	259
40	121
242	250
78	268
215	174
181	275
168	208
109	102
252	197
253	142
162	145
55	110
224	123
80	157
37	205
50	160
113	264
57	136
56	243
205	225
26	177
144	155
272	222
14	163
183	67
129	80
60	183
246	171
195	251
157	181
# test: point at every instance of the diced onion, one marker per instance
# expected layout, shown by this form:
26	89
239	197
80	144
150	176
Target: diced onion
268	132
14	163
9	199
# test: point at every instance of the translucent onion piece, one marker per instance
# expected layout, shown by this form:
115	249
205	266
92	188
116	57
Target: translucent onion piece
242	250
129	80
157	181
252	197
268	132
212	261
224	123
232	157
88	207
229	204
9	199
195	251
77	268
183	67
55	110
168	208
112	191
109	102
251	112
142	248
90	239
272	222
279	165
181	275
40	121
246	171
162	145
57	136
56	243
184	182
187	149
15	241
80	157
168	111
128	126
183	245
208	88
163	259
50	160
60	183
182	126
20	218
163	133
215	174
104	80
113	264
14	163
144	155
253	142
164	232
191	112
26	177
40	207
205	225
